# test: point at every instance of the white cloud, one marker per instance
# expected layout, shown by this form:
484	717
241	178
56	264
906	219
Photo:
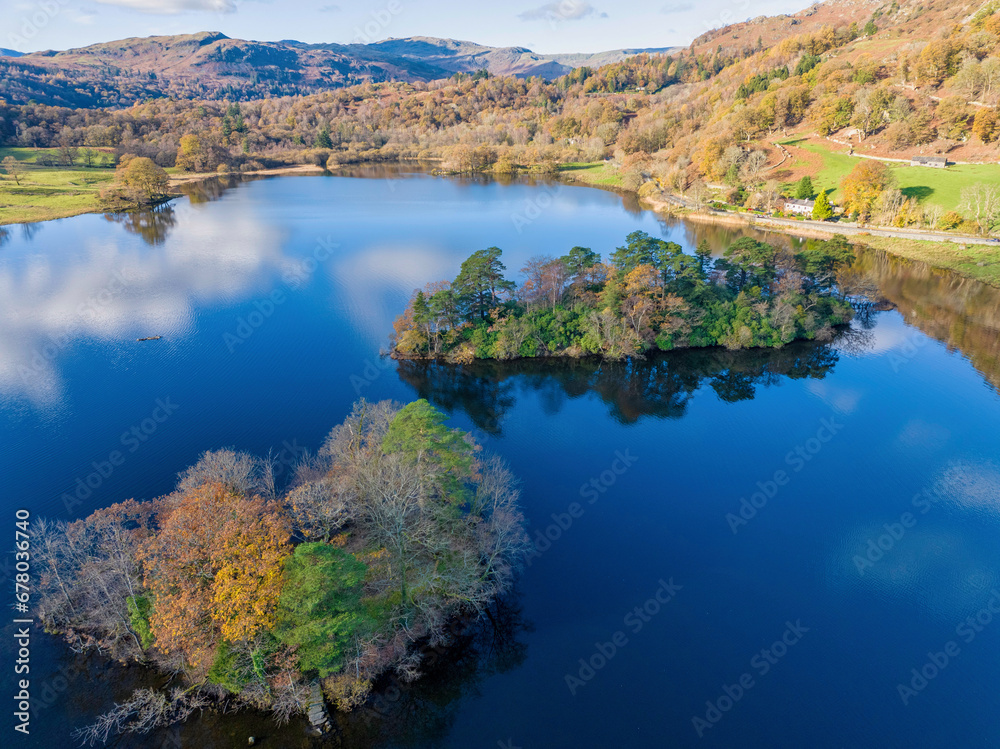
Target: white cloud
561	10
330	9
175	6
113	289
676	6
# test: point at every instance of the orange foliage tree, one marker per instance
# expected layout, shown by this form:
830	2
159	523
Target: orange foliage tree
214	568
863	186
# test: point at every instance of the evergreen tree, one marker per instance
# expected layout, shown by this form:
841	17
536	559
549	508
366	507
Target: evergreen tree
323	139
480	283
804	188
822	211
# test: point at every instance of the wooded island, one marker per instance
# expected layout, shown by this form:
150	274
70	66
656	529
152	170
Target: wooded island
650	296
248	595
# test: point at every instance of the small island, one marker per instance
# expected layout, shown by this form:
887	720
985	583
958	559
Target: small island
385	544
651	296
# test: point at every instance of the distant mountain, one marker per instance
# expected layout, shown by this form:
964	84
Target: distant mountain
10	53
466	57
211	65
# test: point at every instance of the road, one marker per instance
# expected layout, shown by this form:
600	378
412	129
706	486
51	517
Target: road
841	227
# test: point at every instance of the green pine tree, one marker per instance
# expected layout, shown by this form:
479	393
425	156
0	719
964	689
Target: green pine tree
822	211
804	188
323	139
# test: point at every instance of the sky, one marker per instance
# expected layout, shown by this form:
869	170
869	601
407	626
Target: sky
546	27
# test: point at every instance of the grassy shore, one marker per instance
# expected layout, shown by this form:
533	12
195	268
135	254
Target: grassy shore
48	192
977	261
599	174
51	192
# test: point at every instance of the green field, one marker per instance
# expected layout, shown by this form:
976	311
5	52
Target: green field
48	192
599	173
938	186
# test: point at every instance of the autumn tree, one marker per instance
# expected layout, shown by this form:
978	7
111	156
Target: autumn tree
13	167
141	180
191	154
214	569
863	186
984	126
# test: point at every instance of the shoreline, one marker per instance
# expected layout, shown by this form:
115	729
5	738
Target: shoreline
176	181
570	356
971	259
968	257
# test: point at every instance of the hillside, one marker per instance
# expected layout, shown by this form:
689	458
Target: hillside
210	65
739	117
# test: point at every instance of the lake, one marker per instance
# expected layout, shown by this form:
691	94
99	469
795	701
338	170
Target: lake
761	549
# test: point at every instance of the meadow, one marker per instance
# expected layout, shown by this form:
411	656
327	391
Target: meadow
942	187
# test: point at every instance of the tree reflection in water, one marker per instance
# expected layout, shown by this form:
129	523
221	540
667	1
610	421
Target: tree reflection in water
153	224
961	313
422	713
660	386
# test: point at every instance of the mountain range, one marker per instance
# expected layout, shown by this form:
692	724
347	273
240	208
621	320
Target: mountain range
210	65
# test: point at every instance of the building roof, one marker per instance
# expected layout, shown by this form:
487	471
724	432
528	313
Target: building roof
803	203
931	159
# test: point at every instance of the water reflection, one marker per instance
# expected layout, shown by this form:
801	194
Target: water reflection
661	386
102	287
208	190
422	713
151	225
962	313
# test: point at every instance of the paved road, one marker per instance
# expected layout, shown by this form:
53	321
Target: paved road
848	228
836	228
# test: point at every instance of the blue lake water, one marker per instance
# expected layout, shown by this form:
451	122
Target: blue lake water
842	501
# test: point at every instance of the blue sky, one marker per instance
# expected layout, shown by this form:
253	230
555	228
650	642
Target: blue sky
541	25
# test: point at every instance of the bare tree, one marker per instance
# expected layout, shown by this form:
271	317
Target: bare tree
753	167
146	710
13	167
320	508
241	472
982	202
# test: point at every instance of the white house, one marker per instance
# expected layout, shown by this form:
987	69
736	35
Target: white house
799	207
